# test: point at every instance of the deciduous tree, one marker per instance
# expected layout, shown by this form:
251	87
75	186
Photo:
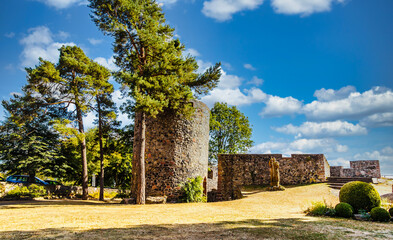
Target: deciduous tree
230	131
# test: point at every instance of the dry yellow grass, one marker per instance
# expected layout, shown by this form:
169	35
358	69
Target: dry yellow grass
276	215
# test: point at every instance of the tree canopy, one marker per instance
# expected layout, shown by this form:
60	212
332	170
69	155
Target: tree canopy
75	81
153	70
230	131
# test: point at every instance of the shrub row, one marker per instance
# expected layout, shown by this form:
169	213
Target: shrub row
355	197
24	192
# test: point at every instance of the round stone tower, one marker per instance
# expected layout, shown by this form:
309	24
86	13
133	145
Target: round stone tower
176	149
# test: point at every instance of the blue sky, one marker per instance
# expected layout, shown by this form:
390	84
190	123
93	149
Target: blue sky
312	76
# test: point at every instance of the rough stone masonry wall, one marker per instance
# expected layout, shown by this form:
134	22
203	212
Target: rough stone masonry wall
361	168
176	149
366	168
336	171
236	170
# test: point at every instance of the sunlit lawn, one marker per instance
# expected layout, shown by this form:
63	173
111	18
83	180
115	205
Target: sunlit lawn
273	215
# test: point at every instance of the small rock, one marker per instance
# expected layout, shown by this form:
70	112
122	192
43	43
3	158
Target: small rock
128	201
156	200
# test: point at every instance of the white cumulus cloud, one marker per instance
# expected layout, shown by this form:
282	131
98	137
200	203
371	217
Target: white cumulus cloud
378	120
256	81
223	10
234	97
108	63
303	7
94	41
39	43
278	106
356	106
61	4
323	129
339	162
326	95
249	67
324	145
192	52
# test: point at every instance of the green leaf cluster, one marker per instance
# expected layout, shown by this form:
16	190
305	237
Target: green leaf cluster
193	190
230	131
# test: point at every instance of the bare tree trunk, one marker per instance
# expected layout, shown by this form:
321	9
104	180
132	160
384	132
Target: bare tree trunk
139	157
101	152
31	179
85	187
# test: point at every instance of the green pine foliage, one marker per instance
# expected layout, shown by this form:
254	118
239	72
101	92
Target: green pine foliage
193	190
153	70
230	131
29	143
75	80
152	66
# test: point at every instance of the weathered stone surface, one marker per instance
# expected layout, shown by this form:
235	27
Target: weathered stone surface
366	168
212	179
336	171
156	200
361	168
176	149
235	170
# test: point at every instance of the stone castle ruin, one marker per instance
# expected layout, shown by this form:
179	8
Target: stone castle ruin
236	170
177	149
363	168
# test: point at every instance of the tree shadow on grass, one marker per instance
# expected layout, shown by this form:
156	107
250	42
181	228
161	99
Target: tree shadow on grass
60	202
249	190
248	229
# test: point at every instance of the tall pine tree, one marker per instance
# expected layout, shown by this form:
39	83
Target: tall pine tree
71	82
152	68
106	112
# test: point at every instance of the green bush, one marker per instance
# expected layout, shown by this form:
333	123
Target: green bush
18	193
193	190
26	192
380	214
122	194
2	189
331	212
317	209
36	191
360	195
391	212
96	195
344	210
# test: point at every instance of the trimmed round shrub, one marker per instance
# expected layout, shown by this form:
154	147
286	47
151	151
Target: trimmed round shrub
360	195
344	210
391	212
380	214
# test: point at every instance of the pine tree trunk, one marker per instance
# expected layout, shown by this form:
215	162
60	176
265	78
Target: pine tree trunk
101	152
85	189
139	154
31	179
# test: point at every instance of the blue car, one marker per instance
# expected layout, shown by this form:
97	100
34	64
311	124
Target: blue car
24	179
